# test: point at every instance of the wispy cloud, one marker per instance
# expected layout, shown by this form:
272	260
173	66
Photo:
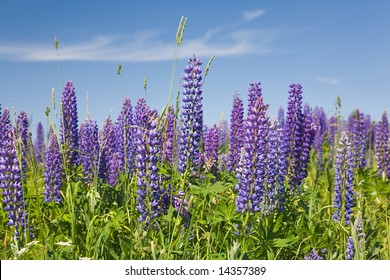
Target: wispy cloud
251	15
144	47
328	80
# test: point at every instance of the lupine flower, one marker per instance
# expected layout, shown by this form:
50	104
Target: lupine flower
382	146
314	255
359	139
107	165
343	181
125	136
22	135
191	116
236	133
293	133
349	198
261	120
251	177
53	171
276	170
115	168
271	169
10	180
309	132
69	124
152	199
169	135
282	169
350	250
5	126
211	149
153	179
39	144
89	149
142	122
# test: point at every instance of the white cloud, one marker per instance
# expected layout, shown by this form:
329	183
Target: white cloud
251	15
144	47
328	80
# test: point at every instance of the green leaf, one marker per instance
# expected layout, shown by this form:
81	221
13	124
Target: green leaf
284	242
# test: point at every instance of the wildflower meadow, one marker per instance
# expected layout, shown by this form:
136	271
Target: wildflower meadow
161	184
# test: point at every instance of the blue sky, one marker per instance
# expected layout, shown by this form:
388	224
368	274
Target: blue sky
330	47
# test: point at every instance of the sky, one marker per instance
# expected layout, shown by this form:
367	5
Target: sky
330	47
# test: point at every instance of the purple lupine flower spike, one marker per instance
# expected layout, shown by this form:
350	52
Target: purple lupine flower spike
236	132
293	131
211	143
5	126
22	135
125	136
69	124
11	180
314	255
350	250
282	167
309	132
251	171
359	139
107	164
382	147
141	123
89	150
349	192
148	142
276	168
259	191
344	178
53	171
115	168
191	117
39	145
154	143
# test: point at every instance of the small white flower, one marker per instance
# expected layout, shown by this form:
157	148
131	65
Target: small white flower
61	243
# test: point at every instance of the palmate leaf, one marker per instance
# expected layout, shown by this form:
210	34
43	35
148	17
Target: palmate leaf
216	188
285	242
227	211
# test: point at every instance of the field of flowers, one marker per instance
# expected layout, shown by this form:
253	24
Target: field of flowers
162	185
